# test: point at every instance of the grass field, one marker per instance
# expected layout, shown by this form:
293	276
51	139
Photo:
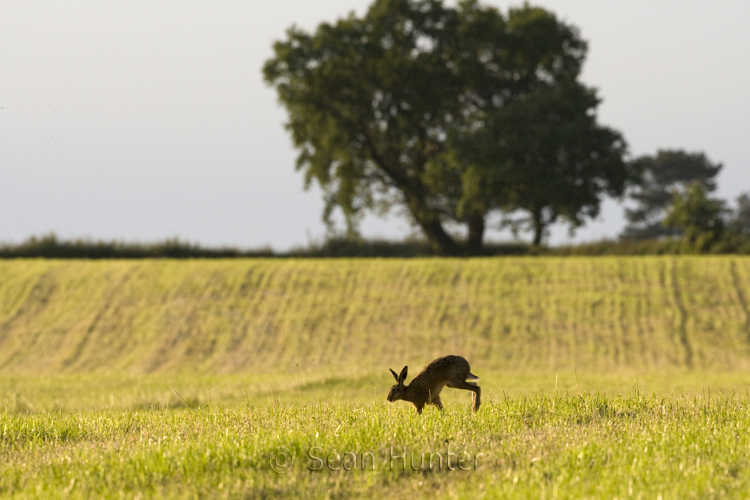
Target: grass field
601	377
352	317
551	446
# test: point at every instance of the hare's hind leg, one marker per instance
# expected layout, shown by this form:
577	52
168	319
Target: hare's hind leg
476	398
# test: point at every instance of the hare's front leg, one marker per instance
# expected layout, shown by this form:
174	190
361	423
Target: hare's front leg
436	401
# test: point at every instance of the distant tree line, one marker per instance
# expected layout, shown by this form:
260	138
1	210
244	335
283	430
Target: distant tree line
673	203
50	247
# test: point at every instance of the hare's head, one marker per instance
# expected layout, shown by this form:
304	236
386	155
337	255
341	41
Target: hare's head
398	389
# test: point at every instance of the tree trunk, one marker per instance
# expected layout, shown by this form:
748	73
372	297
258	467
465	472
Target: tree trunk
440	240
429	221
539	226
474	243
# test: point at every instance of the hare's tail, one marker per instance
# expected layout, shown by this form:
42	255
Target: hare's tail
471	376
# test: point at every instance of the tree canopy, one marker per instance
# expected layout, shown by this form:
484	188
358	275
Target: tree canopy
739	221
661	175
449	113
545	156
697	216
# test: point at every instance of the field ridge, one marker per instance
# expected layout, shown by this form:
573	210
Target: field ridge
352	316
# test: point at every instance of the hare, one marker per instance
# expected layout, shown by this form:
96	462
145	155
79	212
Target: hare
425	388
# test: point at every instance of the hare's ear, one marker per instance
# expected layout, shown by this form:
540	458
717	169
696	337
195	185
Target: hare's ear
394	375
402	375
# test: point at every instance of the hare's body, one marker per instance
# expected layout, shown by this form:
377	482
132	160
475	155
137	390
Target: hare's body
451	371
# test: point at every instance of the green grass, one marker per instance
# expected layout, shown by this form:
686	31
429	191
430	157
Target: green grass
571	435
84	393
536	446
601	378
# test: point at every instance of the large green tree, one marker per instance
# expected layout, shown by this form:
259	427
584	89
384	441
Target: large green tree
661	175
376	103
546	158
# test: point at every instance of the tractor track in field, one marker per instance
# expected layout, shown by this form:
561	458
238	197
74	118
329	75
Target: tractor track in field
682	315
36	301
740	298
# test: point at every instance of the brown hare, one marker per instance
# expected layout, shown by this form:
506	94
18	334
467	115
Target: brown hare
425	388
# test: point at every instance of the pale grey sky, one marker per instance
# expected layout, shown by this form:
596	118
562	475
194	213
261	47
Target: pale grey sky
143	120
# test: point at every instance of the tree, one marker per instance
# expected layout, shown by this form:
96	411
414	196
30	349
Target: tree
545	155
661	175
374	101
740	218
697	216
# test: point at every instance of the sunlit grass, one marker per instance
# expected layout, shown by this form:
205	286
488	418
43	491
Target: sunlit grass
540	446
601	378
76	393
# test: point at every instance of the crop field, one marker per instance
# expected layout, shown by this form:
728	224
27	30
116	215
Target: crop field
601	377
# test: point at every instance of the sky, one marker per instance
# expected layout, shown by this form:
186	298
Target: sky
144	120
